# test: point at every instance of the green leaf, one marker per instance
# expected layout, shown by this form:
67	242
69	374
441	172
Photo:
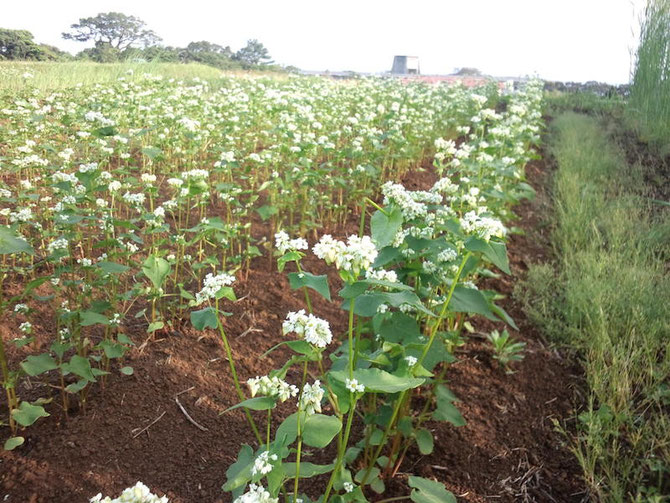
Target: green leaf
112	267
226	292
470	300
377	485
292	256
318	430
152	152
400	328
367	304
10	242
429	491
82	367
127	371
156	269
424	439
306	469
13	442
36	365
305	279
385	227
104	131
112	349
257	403
267	211
88	318
492	250
446	410
27	413
156	325
239	473
204	318
76	387
380	381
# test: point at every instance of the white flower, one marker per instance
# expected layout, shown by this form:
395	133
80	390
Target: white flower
256	494
57	244
26	327
356	255
136	199
284	243
381	275
484	227
411	360
263	463
211	286
447	255
353	386
349	487
139	493
21	308
314	330
114	186
310	399
148	178
272	387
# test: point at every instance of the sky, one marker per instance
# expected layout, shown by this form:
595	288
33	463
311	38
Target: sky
568	40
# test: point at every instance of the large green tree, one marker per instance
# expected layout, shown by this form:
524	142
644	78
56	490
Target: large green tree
117	30
19	44
254	53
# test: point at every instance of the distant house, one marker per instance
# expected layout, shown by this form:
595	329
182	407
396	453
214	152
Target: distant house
405	65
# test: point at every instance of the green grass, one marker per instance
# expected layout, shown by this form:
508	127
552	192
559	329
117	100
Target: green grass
608	296
649	105
48	76
584	101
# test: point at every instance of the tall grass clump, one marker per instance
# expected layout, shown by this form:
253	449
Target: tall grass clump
608	296
649	104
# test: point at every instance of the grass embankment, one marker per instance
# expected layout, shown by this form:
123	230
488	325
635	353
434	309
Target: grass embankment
47	76
649	105
608	296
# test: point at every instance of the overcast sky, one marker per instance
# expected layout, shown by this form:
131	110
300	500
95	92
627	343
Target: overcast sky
556	39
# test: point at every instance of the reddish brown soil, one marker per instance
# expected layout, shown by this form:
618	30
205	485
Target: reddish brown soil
508	451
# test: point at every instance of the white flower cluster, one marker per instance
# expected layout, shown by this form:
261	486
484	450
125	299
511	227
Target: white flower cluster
444	185
310	399
263	463
284	243
314	330
139	493
447	255
57	244
484	227
272	386
381	275
211	286
412	203
355	255
256	494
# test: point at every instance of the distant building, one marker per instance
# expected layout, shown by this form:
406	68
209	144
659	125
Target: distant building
405	65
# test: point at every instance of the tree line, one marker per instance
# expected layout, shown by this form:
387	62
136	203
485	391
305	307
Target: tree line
119	37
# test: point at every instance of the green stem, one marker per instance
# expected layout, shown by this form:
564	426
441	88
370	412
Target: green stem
340	457
443	313
382	444
299	453
238	388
